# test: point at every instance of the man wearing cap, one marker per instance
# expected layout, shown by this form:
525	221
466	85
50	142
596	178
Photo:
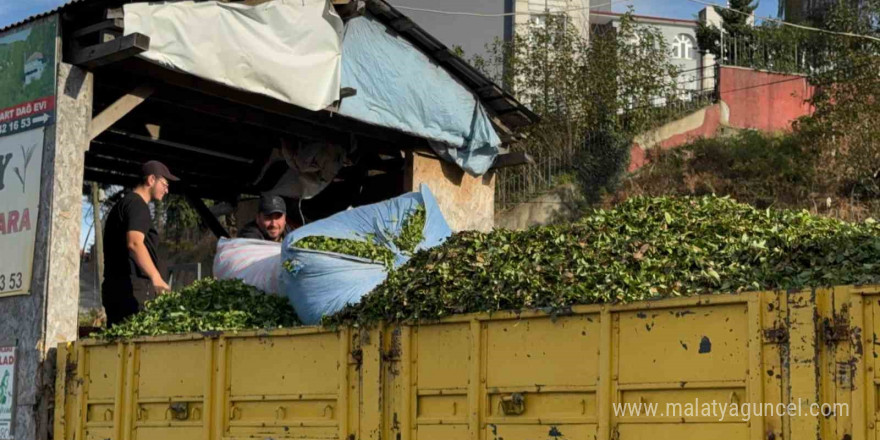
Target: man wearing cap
271	221
132	269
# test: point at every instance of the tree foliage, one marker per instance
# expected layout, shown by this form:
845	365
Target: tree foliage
736	24
645	248
847	100
602	88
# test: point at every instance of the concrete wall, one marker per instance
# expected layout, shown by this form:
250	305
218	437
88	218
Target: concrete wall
750	99
702	123
552	206
48	315
763	100
467	202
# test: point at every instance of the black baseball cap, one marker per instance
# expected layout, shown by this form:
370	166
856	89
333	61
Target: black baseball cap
156	168
270	204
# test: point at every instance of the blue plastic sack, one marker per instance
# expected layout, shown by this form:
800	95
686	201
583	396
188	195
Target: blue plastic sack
319	283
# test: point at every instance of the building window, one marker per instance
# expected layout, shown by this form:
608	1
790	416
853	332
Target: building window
683	47
538	21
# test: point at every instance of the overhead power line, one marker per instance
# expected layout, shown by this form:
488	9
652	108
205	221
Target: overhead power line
785	23
506	14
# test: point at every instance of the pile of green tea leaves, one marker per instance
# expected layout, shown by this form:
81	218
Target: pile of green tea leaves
412	231
371	248
644	248
207	305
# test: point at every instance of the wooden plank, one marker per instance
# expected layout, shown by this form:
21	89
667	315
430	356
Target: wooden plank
222	176
402	24
490	92
114	13
181	146
515	118
113	24
118	109
101	54
212	192
206	215
443	55
512	160
347	92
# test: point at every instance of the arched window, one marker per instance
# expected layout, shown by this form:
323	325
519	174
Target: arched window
683	47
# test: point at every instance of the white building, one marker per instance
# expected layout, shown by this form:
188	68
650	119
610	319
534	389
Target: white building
697	71
534	13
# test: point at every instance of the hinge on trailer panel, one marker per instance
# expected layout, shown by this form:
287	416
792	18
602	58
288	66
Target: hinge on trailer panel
776	335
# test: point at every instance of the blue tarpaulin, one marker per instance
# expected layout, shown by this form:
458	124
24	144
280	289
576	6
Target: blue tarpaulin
399	87
320	283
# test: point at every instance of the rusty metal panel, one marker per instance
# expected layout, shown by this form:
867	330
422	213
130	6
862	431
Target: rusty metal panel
804	369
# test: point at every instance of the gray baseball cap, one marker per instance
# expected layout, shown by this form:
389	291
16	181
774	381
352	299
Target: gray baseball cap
270	204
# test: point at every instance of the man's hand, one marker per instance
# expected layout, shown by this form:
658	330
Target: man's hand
138	250
160	286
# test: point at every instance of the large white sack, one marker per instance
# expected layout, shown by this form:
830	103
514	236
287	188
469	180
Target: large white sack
256	262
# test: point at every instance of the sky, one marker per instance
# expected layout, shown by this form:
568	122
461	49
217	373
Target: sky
12	11
685	9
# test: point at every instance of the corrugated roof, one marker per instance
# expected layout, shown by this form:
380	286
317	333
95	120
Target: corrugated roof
511	112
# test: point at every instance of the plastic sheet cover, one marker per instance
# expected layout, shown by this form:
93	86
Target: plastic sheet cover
320	283
399	87
286	49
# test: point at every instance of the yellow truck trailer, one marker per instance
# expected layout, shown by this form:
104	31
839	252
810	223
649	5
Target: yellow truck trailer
806	359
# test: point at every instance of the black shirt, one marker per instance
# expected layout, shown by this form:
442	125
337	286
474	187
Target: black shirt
252	230
129	214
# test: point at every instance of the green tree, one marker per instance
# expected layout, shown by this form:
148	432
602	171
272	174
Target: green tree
593	95
847	100
735	24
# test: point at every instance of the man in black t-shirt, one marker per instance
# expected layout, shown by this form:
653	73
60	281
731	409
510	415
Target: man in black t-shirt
132	269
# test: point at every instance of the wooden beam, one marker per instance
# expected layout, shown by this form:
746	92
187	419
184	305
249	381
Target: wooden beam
114	13
350	9
130	181
345	92
402	24
118	109
181	146
512	160
189	175
101	54
206	215
113	24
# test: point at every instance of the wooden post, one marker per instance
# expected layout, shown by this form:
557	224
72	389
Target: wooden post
99	235
47	316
